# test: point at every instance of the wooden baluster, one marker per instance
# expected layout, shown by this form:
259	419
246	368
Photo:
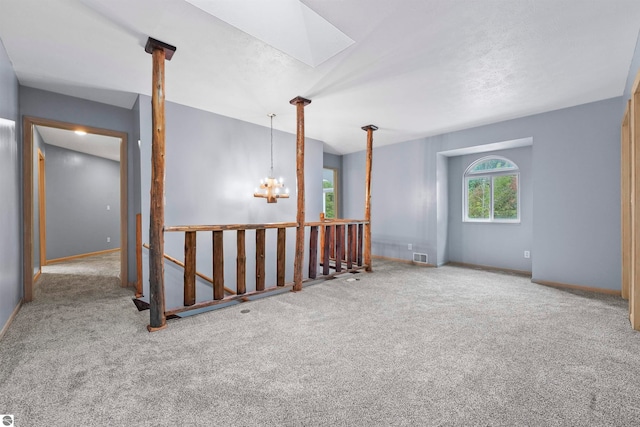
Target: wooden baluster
160	52
218	266
322	239
351	246
189	268
332	242
241	263
359	256
138	255
326	250
313	252
344	243
282	240
367	196
339	247
260	245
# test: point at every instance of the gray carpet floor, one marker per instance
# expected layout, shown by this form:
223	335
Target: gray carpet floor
403	346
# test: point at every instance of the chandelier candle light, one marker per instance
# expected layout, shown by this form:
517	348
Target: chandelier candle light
271	188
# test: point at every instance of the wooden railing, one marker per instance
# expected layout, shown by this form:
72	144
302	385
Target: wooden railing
341	241
179	263
348	248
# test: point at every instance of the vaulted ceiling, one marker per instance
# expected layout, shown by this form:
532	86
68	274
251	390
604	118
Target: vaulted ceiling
416	67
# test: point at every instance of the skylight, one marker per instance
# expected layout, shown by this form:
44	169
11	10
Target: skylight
287	25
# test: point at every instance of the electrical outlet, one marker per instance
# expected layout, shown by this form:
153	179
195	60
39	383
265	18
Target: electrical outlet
108	207
410	247
108	239
527	254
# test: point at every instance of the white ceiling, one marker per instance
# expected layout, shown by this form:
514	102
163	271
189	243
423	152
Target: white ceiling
417	67
107	147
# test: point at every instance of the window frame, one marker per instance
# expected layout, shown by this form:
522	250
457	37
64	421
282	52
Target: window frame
470	174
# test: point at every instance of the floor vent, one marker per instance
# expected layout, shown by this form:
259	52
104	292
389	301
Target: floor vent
422	258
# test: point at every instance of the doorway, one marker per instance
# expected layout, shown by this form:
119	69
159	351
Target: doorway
330	193
29	132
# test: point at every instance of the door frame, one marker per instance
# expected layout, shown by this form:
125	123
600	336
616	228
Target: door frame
630	197
42	208
28	126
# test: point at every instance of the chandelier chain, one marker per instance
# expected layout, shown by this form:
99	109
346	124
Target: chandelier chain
271	115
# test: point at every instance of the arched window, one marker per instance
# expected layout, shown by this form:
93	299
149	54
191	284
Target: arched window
492	191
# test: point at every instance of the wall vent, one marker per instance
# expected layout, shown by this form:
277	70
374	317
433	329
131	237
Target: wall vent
422	258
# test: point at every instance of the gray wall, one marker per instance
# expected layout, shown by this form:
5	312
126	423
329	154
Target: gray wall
403	194
38	144
79	189
633	71
213	165
334	161
576	239
10	231
49	105
496	244
443	209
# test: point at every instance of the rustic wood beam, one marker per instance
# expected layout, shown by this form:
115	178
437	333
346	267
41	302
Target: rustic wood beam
158	51
367	197
300	103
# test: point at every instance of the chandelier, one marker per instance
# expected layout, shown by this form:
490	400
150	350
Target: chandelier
271	188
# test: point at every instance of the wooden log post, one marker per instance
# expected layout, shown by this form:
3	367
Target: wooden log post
189	268
367	197
160	52
300	103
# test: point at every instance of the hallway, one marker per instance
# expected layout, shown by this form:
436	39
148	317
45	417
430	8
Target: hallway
79	280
